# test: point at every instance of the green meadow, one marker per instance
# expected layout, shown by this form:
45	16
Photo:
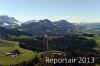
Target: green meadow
8	46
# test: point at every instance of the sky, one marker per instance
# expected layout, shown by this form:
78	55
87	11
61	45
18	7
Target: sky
70	10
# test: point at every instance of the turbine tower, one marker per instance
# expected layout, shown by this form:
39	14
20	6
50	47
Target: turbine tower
46	40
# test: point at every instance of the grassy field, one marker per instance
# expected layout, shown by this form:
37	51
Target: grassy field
97	64
8	46
97	38
22	36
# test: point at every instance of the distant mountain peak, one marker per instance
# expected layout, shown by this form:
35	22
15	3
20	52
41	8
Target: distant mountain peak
5	20
63	21
45	20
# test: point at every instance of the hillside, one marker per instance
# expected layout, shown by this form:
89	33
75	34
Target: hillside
9	46
6	32
42	26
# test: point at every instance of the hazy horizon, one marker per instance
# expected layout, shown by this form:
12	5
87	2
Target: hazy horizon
74	11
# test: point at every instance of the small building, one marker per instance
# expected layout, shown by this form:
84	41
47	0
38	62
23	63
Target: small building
13	54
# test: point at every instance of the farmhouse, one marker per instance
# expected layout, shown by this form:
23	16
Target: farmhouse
13	54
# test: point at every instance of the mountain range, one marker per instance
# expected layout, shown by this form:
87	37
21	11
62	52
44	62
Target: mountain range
42	26
37	26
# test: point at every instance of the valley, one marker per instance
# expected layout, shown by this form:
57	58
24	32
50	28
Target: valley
29	43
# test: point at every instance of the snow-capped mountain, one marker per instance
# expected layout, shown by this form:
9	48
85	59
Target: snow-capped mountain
6	21
30	21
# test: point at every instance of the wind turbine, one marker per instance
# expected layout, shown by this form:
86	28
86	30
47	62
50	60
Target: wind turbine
46	40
